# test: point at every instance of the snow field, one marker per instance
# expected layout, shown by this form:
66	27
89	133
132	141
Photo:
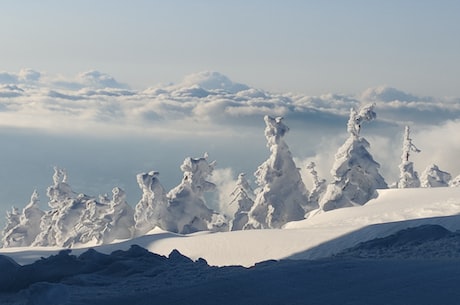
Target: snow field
319	236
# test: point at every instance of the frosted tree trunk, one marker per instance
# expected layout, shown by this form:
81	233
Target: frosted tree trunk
408	177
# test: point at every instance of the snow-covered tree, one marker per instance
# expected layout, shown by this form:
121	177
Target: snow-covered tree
79	219
319	185
120	216
432	176
282	196
58	226
242	196
152	209
25	232
12	221
187	206
93	223
355	173
408	178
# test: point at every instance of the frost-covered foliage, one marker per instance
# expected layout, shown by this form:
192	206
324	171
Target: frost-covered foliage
319	185
12	221
282	196
28	227
432	176
187	206
81	219
58	224
78	219
121	217
355	173
408	177
105	220
152	209
242	196
92	224
455	182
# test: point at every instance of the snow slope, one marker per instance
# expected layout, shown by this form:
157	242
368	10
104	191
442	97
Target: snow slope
321	235
379	229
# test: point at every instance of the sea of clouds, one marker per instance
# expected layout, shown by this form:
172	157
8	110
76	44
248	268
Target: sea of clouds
104	133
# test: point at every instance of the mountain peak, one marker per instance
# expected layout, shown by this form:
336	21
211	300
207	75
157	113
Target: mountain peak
212	81
387	94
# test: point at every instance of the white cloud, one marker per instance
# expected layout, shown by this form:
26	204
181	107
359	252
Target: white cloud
224	178
202	100
439	145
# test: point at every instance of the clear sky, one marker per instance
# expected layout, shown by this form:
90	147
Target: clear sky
312	47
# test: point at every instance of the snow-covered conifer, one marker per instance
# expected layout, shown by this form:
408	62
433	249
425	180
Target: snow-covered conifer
356	174
9	239
120	216
319	185
25	232
242	196
58	226
152	210
408	178
187	207
105	220
282	196
92	225
432	176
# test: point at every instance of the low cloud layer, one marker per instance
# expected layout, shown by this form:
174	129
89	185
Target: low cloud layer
93	99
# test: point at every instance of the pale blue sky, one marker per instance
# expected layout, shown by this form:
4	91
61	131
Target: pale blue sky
312	47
